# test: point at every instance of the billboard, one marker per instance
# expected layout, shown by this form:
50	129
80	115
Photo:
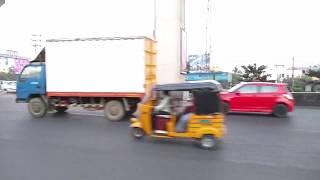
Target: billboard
198	63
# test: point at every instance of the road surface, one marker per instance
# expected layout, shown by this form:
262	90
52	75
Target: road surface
81	145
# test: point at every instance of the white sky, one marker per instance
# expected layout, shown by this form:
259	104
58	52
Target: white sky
243	31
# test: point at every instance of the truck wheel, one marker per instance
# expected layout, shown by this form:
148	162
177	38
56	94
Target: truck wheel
37	107
280	110
114	110
61	109
208	142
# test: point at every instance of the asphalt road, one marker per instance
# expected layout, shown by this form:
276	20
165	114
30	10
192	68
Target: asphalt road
76	146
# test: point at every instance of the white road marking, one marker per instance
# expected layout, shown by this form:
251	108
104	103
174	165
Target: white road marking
86	114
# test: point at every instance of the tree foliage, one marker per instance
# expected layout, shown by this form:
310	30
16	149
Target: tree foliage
299	82
252	72
313	71
10	76
236	76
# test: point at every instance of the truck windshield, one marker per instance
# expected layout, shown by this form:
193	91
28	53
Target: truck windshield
30	72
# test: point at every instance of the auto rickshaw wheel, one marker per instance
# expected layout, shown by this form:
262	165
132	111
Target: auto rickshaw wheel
137	133
208	142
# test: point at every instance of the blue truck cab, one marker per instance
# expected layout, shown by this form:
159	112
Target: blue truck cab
31	82
31	86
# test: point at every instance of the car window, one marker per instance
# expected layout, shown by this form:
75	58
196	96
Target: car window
235	88
31	72
248	89
268	89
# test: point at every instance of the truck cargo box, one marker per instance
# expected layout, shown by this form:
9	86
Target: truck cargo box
99	66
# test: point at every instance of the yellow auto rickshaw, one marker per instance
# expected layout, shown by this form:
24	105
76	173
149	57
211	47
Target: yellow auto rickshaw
206	120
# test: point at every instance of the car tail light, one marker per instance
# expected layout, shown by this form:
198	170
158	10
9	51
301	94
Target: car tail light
288	96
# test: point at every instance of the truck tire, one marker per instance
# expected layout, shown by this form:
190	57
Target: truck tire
60	109
37	107
280	110
114	110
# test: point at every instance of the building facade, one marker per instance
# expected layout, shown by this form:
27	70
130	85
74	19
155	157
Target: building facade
10	61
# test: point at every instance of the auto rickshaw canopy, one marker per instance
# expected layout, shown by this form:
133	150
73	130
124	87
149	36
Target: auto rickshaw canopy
213	86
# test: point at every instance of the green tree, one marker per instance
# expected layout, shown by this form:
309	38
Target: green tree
252	72
10	76
313	71
236	76
299	82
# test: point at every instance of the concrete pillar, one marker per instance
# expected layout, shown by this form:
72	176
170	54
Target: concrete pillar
169	18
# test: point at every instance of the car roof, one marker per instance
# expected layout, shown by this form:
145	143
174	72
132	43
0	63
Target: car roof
265	83
214	86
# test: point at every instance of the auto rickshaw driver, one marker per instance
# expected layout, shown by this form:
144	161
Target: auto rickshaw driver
163	107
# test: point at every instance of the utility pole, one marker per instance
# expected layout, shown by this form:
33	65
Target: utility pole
279	78
155	19
292	73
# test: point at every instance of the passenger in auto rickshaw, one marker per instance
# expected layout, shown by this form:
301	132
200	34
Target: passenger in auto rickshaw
184	118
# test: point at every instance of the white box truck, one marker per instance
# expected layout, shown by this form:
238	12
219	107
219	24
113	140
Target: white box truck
96	73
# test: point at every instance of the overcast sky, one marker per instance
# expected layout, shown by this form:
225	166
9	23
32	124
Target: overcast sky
243	31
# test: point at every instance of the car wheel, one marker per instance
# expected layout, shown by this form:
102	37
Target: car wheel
226	107
280	110
137	133
114	110
208	142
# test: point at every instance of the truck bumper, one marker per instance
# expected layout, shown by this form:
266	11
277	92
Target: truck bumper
20	100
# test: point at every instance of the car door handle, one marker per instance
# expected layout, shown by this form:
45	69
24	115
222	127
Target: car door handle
38	86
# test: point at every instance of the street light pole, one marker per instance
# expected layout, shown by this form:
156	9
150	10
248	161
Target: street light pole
154	19
292	73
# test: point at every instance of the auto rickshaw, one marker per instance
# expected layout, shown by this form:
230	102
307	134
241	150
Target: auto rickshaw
206	123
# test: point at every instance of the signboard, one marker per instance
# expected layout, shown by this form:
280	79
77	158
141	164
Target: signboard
199	76
199	63
222	76
218	76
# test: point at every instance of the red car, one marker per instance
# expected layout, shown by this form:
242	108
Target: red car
259	97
